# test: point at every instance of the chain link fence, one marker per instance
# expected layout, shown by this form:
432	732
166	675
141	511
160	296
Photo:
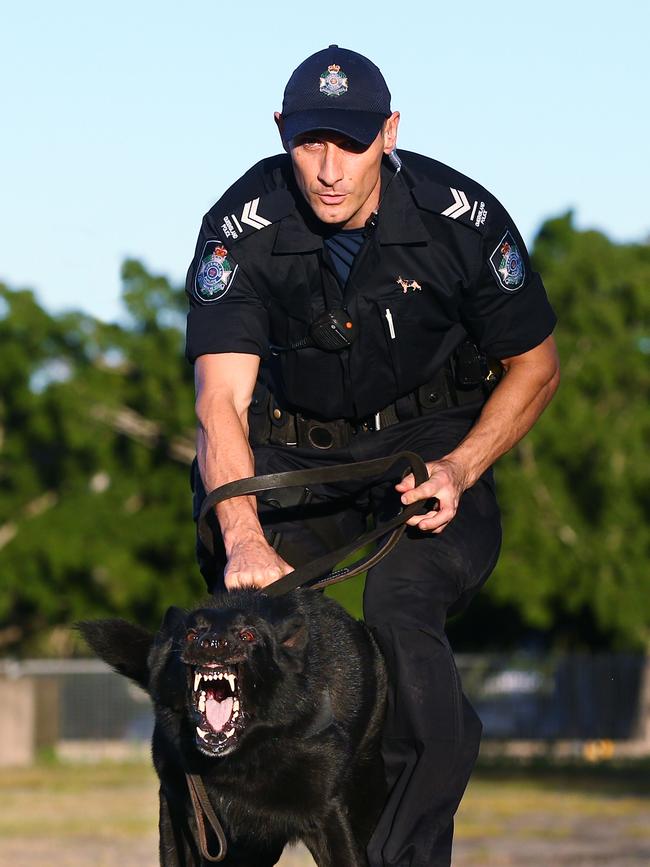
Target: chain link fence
569	697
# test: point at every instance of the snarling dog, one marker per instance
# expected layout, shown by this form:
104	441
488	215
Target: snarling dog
275	706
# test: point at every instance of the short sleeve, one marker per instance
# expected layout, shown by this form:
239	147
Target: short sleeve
226	313
506	309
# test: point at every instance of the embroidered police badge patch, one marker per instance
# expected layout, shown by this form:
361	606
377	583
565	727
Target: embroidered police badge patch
215	272
333	82
508	264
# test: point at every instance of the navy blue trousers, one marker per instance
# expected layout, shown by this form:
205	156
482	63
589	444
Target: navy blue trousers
432	733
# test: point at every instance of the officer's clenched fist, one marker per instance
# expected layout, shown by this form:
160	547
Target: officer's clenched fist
446	483
253	563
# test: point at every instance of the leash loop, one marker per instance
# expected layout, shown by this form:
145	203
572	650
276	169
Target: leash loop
319	573
203	808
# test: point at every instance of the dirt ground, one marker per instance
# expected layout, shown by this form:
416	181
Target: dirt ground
105	816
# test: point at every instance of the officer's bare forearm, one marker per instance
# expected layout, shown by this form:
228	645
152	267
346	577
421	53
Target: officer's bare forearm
224	387
224	456
529	383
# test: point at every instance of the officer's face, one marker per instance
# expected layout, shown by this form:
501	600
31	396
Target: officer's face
338	176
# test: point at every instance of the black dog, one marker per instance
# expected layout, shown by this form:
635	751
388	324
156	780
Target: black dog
277	705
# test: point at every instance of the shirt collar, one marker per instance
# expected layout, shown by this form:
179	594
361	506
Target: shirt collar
398	223
298	231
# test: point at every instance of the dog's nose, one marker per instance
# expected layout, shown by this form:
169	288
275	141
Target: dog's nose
213	642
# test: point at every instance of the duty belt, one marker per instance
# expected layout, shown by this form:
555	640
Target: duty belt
271	423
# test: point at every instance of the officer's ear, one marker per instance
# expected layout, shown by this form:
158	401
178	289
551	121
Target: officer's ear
389	131
279	122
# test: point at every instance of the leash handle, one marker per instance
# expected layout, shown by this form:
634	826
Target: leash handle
319	568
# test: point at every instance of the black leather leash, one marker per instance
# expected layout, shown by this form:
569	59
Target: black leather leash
202	807
316	575
319	573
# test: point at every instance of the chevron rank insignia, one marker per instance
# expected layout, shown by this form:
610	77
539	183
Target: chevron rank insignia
237	220
459	207
456	204
508	265
215	272
233	224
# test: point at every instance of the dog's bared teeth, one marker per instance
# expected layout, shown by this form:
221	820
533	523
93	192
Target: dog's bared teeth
230	733
220	675
232	680
197	681
203	734
202	702
235	704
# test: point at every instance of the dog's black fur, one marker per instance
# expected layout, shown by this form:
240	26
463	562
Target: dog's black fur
300	759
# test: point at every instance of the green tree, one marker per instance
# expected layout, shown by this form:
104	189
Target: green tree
97	426
575	492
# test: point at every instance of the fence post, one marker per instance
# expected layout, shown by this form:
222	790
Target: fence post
17	721
642	723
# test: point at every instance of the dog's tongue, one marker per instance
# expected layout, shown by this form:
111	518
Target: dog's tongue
218	712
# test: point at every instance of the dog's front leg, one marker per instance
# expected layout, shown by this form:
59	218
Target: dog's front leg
334	844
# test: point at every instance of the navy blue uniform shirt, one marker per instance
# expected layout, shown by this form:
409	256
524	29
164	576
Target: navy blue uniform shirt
444	262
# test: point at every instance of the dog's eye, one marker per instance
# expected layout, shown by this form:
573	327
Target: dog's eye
247	635
192	635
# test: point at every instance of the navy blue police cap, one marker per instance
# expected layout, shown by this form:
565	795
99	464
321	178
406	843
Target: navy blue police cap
339	90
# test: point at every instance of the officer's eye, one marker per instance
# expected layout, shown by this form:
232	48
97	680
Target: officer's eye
310	143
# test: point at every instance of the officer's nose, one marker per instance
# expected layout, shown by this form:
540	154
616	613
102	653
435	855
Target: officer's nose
331	167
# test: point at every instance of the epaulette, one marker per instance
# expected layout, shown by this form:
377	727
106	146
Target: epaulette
468	207
249	217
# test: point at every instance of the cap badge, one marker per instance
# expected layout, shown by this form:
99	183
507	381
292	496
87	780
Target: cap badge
508	265
215	272
333	82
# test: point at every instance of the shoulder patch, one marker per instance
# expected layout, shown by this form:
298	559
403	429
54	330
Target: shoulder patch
258	213
456	204
215	272
508	264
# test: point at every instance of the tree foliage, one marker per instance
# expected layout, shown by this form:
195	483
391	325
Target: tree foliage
96	433
575	493
96	425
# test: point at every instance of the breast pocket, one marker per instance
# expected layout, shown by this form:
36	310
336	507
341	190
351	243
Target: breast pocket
413	327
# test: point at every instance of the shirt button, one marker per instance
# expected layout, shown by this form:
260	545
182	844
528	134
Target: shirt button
277	413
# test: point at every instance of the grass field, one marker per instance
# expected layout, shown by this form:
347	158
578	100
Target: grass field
105	815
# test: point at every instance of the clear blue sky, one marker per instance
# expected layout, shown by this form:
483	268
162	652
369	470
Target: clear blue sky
123	122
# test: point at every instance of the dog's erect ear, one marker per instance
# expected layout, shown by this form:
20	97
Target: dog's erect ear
292	632
174	619
123	645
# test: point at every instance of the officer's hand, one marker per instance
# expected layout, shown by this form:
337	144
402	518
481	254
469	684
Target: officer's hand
253	563
446	482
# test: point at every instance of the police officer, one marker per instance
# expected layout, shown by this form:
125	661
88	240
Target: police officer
348	301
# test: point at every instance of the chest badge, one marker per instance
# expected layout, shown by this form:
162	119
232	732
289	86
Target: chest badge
333	82
413	285
508	265
215	273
